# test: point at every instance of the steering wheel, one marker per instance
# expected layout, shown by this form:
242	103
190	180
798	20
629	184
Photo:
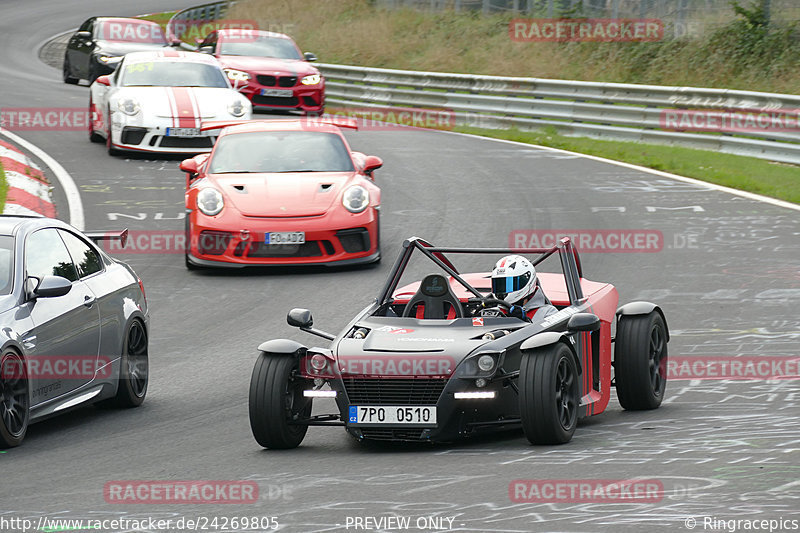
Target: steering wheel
489	301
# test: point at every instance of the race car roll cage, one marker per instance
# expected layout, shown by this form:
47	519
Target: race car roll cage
570	265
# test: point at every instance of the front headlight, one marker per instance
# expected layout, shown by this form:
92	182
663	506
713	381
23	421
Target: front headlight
355	199
480	365
110	59
486	363
236	108
311	79
237	75
129	106
209	201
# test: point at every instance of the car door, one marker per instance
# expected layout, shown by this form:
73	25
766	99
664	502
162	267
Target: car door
66	329
80	48
106	288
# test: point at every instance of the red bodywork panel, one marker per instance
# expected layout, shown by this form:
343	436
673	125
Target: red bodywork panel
603	299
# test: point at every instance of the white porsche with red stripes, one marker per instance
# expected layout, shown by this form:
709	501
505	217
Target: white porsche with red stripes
155	101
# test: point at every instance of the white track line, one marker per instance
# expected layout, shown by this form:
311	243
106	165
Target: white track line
67	184
744	194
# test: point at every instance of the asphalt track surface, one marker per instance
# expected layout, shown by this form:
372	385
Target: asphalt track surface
727	278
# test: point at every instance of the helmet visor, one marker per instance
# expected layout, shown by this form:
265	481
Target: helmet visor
503	286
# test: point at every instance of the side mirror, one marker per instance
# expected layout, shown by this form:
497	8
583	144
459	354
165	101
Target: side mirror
52	286
175	42
104	80
84	35
300	318
371	164
309	56
189	166
206	49
583	322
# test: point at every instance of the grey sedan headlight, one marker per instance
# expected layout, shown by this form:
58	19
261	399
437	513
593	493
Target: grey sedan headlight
129	106
209	201
355	199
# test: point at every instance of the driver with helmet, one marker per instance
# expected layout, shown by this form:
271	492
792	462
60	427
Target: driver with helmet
514	281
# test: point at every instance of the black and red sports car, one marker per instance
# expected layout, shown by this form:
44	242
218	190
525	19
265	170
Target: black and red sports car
282	192
459	370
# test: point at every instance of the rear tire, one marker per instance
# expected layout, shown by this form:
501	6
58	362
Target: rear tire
14	399
640	361
134	368
276	398
548	394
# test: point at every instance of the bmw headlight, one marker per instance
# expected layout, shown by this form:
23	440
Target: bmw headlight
237	75
355	199
110	60
129	106
209	201
311	79
236	108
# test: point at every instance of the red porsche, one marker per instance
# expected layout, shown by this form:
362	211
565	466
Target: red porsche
281	192
269	69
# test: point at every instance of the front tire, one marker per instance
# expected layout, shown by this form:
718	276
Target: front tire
640	361
14	400
276	398
109	144
93	135
66	72
134	368
548	394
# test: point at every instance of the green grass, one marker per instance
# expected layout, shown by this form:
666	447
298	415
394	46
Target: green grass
3	188
777	180
161	18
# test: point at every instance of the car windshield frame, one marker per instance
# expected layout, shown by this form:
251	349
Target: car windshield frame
246	44
171	75
7	245
304	154
103	32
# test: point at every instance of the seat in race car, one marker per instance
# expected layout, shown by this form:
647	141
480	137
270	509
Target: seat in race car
434	299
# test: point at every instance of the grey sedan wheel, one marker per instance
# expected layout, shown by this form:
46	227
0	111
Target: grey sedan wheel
133	374
14	400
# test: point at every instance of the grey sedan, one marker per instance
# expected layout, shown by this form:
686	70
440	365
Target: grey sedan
73	324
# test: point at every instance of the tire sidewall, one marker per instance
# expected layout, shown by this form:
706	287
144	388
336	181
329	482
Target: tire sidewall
7	439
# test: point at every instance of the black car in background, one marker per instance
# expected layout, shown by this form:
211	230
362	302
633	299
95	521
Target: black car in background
100	42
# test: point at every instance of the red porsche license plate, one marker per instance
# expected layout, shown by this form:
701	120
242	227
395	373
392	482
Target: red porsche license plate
285	237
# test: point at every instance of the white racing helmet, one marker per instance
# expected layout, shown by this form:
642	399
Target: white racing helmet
513	279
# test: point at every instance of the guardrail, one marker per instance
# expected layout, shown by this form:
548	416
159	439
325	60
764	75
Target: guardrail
603	110
196	14
615	111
